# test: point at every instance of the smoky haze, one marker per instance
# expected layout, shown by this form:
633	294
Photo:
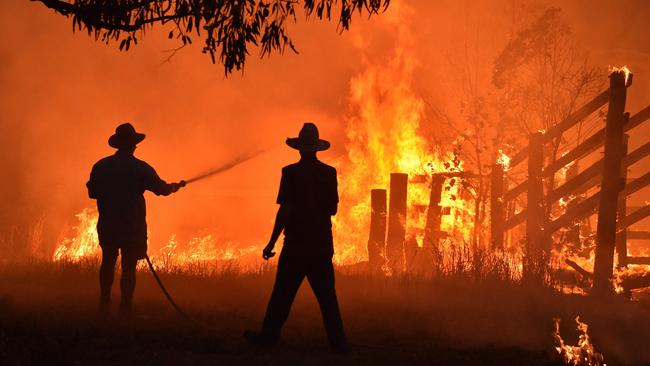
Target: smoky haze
63	95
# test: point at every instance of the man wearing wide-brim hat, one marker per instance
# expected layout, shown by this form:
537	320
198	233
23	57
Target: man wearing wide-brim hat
308	198
118	183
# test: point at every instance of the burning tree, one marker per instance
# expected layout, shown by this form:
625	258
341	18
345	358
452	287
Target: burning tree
228	28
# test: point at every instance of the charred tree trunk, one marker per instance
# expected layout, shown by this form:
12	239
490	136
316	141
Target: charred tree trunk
535	260
496	207
611	185
377	239
397	221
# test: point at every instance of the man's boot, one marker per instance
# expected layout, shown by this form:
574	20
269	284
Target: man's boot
104	309
261	339
126	309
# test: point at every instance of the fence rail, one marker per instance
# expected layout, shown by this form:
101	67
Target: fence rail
610	172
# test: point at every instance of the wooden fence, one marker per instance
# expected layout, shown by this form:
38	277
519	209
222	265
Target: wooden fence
388	246
609	202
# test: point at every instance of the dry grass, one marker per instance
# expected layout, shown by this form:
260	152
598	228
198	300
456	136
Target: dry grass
47	315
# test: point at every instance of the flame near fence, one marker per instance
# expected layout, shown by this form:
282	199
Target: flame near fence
384	136
435	219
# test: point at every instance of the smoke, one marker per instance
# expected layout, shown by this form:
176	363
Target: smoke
63	95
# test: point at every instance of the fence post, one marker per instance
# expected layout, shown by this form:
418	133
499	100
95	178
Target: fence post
396	221
496	206
434	213
377	237
610	186
621	238
535	218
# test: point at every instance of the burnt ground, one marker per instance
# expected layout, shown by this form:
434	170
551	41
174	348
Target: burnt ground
48	316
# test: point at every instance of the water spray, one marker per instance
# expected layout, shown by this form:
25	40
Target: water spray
215	171
225	167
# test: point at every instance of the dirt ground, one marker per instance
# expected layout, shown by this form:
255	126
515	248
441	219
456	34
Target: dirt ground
48	316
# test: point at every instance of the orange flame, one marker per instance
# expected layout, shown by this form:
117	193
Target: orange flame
584	353
384	137
204	248
84	243
504	160
624	69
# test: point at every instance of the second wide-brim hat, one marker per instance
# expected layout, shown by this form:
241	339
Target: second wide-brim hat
308	139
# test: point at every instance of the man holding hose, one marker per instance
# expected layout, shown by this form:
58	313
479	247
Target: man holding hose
118	183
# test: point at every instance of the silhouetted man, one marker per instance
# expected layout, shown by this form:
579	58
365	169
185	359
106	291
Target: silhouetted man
308	198
118	183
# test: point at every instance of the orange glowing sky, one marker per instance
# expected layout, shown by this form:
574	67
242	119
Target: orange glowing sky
63	94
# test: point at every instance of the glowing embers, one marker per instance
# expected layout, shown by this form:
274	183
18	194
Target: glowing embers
584	353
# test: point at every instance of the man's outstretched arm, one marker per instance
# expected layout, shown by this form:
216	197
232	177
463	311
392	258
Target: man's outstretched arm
278	226
162	188
158	186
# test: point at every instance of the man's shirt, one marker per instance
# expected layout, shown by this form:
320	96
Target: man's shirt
308	189
118	183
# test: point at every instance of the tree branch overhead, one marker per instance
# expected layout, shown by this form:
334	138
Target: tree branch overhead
228	28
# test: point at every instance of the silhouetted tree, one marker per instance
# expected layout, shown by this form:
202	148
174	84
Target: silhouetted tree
539	77
228	27
544	75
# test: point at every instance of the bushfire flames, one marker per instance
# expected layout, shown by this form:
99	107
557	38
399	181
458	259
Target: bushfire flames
384	136
385	133
624	69
503	160
206	248
584	353
84	243
493	178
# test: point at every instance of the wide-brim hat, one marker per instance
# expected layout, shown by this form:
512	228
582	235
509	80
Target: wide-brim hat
308	139
125	136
